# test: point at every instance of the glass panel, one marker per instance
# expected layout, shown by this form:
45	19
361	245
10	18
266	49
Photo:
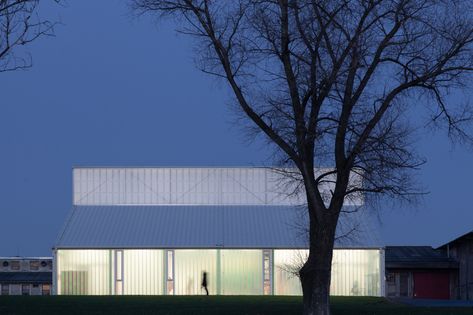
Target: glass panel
354	272
118	287
84	272
170	273
15	265
170	265
286	267
34	265
46	289
189	266
5	289
267	267
242	272
119	268
267	270
170	287
143	271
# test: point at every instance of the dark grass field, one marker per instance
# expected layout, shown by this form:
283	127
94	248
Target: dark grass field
201	305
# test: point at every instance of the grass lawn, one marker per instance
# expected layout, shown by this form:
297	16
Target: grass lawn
201	305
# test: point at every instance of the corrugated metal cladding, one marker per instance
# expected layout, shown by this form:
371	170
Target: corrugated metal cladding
204	186
205	227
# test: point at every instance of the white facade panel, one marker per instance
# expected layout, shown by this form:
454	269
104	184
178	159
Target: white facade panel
143	272
185	186
83	272
189	266
286	265
242	272
355	272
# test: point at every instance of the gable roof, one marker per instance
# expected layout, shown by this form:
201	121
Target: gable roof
205	226
465	237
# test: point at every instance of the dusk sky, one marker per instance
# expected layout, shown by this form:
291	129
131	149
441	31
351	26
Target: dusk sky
114	90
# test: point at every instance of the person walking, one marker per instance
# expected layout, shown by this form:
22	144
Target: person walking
204	282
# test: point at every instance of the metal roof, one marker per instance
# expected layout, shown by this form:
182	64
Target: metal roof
414	257
204	226
464	237
26	277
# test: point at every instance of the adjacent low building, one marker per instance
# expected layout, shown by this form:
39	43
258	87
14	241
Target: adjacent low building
420	272
461	249
25	275
154	231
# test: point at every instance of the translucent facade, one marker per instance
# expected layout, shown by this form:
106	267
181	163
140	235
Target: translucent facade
287	262
155	231
189	266
242	272
143	271
229	271
354	272
184	186
84	272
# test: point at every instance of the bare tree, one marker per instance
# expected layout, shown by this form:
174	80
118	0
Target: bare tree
19	26
336	83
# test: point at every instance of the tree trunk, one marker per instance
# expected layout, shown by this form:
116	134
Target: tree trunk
315	275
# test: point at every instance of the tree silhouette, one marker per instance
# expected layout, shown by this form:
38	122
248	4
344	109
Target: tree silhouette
336	83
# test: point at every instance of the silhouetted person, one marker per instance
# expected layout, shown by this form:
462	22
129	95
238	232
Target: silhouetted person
204	282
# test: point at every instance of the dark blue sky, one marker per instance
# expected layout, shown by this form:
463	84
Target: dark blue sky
113	90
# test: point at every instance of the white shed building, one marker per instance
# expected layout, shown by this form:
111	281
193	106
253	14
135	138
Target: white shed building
154	231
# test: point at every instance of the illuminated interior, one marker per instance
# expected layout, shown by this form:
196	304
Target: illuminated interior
229	271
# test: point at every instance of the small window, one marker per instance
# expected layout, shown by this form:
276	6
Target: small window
267	271
35	285
34	265
25	289
5	263
15	265
170	272
170	264
46	289
119	265
5	289
118	272
44	264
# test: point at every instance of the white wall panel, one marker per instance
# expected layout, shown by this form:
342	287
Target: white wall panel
286	265
189	266
355	272
84	272
157	186
143	272
242	272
